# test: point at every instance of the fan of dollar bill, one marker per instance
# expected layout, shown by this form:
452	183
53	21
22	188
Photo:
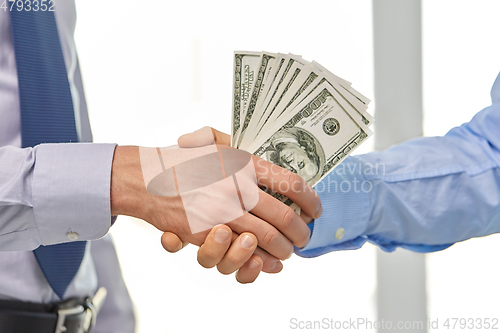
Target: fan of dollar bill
295	113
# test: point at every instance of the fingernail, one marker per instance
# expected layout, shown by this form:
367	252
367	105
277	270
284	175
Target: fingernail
247	242
221	235
169	249
254	264
178	247
319	211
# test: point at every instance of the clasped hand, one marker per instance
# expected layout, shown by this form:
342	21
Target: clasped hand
250	238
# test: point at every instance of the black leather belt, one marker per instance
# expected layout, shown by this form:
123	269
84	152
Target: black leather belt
74	315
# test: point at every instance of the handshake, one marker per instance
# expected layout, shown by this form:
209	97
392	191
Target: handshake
206	193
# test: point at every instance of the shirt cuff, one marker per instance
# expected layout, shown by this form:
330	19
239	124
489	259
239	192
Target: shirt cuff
346	211
71	191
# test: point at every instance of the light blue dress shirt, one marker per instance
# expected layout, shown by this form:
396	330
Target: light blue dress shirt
53	189
423	195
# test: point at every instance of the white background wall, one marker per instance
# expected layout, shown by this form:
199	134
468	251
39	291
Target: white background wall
155	70
461	62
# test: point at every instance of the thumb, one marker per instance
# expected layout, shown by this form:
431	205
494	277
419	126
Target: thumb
204	137
171	242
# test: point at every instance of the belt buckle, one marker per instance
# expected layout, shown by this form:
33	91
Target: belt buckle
90	308
63	313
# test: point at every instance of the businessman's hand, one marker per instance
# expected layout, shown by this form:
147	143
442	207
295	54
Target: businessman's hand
129	196
212	252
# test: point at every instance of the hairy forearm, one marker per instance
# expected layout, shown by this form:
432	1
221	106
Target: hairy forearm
127	187
129	196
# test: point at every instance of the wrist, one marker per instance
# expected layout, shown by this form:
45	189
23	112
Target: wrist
345	195
127	184
129	196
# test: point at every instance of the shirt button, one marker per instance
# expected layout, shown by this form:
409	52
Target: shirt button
72	236
340	233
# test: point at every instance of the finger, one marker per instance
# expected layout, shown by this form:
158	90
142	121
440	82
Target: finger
199	138
269	238
238	254
283	218
271	263
203	137
289	184
171	242
221	138
250	270
307	219
215	246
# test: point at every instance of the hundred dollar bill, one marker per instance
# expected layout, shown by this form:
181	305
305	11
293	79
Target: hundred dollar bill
288	80
271	77
319	135
290	60
266	61
307	76
344	83
245	65
273	73
359	107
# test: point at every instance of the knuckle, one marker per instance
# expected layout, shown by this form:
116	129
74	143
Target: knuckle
287	218
268	263
304	239
292	178
270	236
207	258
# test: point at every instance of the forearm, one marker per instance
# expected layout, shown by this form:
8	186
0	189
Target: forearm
126	183
423	195
129	195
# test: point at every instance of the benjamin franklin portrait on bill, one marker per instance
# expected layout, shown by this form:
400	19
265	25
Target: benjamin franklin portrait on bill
297	150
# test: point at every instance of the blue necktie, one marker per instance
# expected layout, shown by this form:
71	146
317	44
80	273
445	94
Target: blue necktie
47	116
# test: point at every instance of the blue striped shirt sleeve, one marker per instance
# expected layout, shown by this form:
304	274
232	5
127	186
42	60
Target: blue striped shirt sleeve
423	195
